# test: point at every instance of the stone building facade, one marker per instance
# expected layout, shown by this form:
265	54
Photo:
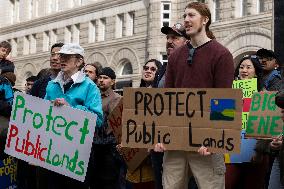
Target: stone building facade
122	34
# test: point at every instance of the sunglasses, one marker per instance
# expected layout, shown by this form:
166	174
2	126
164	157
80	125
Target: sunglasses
250	56
191	54
153	69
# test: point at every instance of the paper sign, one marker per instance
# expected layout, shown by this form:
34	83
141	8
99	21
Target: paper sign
183	119
247	151
133	157
115	121
249	86
244	120
264	120
8	171
56	138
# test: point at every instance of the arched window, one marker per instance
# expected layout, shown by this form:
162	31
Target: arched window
127	69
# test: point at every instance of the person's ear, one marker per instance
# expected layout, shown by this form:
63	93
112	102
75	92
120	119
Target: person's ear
80	61
112	82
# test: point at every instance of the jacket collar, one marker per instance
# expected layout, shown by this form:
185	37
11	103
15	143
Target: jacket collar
78	77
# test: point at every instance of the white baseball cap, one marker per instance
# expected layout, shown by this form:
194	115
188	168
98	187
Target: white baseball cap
72	48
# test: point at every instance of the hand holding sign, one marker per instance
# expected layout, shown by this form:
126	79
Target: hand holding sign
60	102
203	151
276	142
159	147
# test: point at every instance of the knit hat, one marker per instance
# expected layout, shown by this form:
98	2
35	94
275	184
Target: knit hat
10	76
108	72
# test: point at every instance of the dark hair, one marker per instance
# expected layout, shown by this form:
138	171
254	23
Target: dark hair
257	67
6	45
43	73
95	66
31	78
10	76
60	44
159	66
203	9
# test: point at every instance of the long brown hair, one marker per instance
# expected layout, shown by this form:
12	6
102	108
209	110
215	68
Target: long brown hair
203	9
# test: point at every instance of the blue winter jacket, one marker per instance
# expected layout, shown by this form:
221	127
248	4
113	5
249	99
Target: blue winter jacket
83	94
6	96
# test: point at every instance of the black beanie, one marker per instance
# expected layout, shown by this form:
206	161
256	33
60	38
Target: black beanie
108	72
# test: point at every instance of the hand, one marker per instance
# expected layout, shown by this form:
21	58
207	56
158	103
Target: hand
60	102
159	147
203	151
119	148
276	142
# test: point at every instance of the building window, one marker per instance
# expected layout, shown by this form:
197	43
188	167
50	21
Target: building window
165	14
14	44
244	7
67	34
101	29
26	49
75	3
35	8
260	6
46	41
217	10
127	69
53	6
119	26
129	24
15	7
164	58
32	43
92	31
75	33
241	8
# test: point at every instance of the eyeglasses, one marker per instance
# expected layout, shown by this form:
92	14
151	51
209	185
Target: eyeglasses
153	69
67	56
191	54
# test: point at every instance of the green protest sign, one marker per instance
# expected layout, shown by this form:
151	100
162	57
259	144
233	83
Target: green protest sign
264	120
249	86
56	138
244	120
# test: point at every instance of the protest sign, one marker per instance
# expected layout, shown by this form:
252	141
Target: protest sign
8	170
182	119
264	120
115	120
133	157
248	86
56	138
247	151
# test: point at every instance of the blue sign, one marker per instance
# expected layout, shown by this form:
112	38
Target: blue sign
8	169
247	150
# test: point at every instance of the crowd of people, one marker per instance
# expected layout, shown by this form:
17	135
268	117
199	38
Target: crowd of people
196	60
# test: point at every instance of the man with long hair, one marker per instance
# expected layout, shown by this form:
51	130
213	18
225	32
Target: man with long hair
201	63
